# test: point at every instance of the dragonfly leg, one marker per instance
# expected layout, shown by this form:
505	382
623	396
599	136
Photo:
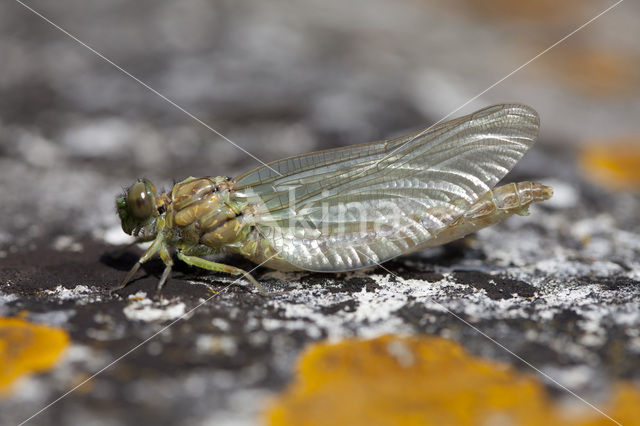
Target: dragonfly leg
127	278
219	267
152	250
163	278
168	262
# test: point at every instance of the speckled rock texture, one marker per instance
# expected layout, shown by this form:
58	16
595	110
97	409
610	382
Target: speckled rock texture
556	292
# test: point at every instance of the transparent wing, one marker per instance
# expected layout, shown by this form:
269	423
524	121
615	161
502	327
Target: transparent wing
356	206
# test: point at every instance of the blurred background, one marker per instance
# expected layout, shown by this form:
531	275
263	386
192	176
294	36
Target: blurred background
281	78
285	77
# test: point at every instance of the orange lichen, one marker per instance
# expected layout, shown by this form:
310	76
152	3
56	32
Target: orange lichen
420	380
615	164
541	10
27	348
595	72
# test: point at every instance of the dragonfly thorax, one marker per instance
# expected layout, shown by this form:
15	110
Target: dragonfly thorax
204	212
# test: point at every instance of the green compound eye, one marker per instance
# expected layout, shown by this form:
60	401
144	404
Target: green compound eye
141	200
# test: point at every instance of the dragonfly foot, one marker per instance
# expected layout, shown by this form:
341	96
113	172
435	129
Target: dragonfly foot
163	278
255	283
126	280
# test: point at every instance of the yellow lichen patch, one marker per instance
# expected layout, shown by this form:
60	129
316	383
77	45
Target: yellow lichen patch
625	407
418	381
615	164
27	348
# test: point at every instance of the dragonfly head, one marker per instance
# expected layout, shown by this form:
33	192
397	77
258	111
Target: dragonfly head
137	209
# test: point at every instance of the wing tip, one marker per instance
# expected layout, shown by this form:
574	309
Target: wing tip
524	111
510	109
527	118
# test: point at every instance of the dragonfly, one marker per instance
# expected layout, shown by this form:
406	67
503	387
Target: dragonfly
343	209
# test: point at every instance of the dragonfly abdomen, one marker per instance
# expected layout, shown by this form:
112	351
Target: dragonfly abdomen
495	206
513	197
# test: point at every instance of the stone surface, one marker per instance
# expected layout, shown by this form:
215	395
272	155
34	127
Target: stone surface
560	288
